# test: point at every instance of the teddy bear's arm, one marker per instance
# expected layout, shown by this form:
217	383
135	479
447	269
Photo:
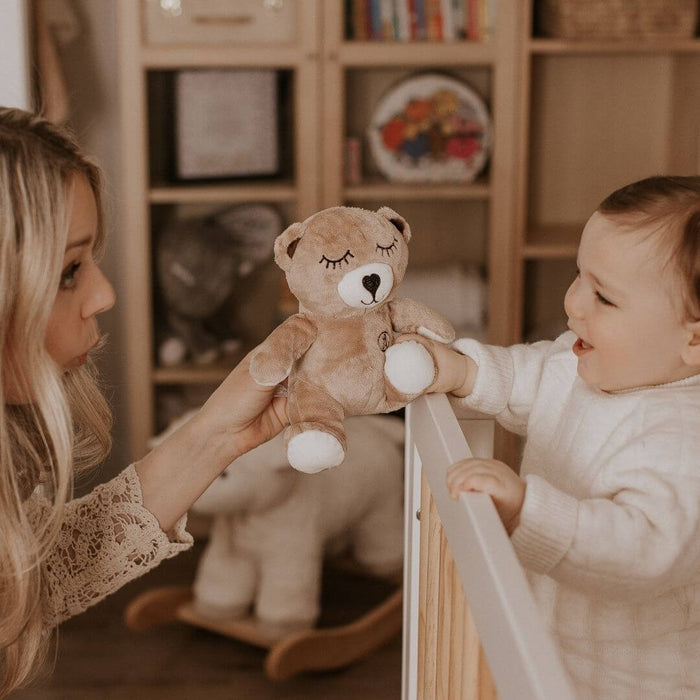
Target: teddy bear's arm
410	316
272	361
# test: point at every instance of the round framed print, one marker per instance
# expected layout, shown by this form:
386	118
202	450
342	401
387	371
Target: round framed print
430	128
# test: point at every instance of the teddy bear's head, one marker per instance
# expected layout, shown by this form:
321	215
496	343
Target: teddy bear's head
344	261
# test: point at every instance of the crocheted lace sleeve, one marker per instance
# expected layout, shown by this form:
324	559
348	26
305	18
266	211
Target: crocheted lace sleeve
107	539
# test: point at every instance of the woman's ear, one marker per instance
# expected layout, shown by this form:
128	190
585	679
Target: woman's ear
691	351
397	221
286	243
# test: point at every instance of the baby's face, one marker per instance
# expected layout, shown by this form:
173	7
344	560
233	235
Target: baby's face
622	308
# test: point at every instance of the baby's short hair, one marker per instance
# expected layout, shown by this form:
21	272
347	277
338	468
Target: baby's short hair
674	204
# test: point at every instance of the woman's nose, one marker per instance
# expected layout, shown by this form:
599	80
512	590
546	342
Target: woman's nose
101	296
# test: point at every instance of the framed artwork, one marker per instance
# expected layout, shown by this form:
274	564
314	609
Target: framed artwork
430	128
226	123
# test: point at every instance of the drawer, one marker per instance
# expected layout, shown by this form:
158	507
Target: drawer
210	22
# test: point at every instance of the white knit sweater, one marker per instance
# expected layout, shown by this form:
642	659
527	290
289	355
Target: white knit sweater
610	528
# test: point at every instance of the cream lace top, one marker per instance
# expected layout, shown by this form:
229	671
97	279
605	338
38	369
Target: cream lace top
107	539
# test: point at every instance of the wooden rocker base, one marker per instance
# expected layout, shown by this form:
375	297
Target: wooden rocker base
317	649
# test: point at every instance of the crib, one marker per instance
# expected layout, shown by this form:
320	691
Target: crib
470	625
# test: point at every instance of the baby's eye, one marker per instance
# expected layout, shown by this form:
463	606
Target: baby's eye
336	263
68	280
603	300
387	249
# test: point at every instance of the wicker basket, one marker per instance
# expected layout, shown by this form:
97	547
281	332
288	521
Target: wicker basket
617	19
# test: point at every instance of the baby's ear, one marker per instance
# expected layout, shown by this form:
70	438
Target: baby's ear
285	245
396	220
691	352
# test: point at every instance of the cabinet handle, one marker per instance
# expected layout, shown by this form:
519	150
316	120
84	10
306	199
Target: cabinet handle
237	20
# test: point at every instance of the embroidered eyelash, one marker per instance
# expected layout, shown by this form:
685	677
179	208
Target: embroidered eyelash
388	249
336	263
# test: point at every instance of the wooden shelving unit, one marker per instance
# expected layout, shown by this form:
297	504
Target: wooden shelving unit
572	120
145	188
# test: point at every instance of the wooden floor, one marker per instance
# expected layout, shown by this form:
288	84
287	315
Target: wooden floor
98	658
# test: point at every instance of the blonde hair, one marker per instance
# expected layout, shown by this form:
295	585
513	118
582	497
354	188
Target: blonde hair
64	426
674	204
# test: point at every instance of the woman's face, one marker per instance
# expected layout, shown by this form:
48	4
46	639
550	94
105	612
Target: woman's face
84	291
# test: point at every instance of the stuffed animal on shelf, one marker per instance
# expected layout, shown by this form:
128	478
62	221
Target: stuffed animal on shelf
273	525
204	264
338	353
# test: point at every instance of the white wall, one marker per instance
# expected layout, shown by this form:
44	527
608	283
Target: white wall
14	54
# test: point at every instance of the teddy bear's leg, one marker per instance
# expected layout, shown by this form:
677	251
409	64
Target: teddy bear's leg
290	588
409	367
226	580
315	438
378	538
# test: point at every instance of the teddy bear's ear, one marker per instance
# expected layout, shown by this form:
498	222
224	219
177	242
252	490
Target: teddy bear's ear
396	220
285	245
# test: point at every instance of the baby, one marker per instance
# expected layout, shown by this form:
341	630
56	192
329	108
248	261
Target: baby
605	515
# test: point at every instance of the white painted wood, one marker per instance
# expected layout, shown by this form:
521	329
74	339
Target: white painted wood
14	55
522	657
411	573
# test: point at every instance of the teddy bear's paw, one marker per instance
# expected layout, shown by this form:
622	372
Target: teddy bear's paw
409	367
314	450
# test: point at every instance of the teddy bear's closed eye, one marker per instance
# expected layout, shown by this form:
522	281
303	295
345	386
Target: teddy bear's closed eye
387	249
337	263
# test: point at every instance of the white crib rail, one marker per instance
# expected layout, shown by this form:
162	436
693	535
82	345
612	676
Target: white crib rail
521	655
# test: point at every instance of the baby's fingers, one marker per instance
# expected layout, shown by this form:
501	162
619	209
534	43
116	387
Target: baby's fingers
470	475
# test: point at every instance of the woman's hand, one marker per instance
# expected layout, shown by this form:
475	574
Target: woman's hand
243	412
498	480
237	417
455	374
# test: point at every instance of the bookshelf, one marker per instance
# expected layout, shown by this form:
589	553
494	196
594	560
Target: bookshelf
332	83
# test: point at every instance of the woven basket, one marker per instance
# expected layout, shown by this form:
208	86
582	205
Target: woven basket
617	19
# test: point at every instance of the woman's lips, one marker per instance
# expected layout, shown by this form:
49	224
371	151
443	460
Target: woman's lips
581	347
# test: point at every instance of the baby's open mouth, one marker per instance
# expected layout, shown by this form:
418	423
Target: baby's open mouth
581	347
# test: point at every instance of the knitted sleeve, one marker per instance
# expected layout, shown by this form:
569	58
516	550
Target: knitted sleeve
508	378
107	539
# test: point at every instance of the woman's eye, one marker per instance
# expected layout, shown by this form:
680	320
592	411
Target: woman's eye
603	300
387	249
68	276
336	263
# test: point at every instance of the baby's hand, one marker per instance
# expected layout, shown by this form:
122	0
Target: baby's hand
498	480
455	374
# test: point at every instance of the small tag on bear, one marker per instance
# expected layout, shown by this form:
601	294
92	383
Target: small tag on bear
384	341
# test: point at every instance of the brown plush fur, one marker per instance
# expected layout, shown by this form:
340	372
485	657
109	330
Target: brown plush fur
332	351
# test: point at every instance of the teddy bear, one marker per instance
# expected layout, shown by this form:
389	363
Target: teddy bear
272	525
337	353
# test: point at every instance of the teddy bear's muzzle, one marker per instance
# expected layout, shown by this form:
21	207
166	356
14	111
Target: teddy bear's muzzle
367	285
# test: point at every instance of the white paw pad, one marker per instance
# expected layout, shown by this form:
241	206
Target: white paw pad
313	450
409	367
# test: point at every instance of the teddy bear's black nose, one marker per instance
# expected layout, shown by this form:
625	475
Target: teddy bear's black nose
371	283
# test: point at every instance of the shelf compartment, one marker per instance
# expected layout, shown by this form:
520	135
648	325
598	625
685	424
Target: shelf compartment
417	54
162	139
254	192
552	242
